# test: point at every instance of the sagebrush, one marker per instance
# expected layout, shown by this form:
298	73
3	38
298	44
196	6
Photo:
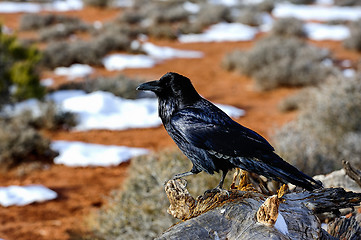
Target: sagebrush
328	129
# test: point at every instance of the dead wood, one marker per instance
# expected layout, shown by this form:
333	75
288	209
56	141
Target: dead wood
237	214
352	172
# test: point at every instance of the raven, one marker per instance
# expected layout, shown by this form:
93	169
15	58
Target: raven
212	140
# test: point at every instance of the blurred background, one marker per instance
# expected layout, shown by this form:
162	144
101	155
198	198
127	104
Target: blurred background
83	155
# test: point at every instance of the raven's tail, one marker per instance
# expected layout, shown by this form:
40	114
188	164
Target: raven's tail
282	169
273	166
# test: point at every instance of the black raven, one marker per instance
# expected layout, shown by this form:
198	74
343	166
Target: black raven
212	140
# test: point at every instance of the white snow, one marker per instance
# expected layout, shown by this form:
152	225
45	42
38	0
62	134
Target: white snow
155	54
191	7
121	61
30	7
316	12
47	82
23	195
319	31
161	53
222	32
79	154
31	105
349	73
103	110
74	71
281	224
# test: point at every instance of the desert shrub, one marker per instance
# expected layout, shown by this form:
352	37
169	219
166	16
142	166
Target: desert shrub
288	27
52	118
250	16
265	5
65	54
212	14
354	41
302	1
90	52
120	85
130	17
189	28
19	78
139	210
110	41
98	3
20	143
61	31
347	2
278	61
327	130
167	14
33	21
163	31
295	101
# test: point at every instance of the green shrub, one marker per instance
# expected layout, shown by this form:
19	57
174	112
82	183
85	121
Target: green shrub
278	61
327	130
139	210
354	41
19	78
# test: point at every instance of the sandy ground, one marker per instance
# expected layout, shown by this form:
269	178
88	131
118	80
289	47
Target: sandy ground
82	190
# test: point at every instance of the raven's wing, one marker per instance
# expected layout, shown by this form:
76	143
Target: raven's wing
211	129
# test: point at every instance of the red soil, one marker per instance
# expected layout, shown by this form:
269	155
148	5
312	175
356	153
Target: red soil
82	190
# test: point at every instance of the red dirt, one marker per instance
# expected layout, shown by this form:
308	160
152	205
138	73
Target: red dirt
82	190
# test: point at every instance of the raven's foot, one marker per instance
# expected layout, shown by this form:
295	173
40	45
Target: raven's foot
217	190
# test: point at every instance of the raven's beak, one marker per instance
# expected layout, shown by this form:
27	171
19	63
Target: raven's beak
150	86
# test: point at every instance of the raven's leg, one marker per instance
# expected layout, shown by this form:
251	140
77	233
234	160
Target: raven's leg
220	184
180	175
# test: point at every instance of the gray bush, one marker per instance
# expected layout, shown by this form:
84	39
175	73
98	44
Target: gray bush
327	130
289	27
33	21
278	61
120	85
62	31
21	143
354	41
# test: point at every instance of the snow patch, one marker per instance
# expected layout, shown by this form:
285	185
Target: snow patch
74	71
319	31
23	195
155	54
79	154
316	12
281	224
29	7
222	32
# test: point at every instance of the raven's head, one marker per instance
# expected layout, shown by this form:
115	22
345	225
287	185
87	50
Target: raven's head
172	86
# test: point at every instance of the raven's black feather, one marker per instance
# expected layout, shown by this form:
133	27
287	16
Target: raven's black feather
212	140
